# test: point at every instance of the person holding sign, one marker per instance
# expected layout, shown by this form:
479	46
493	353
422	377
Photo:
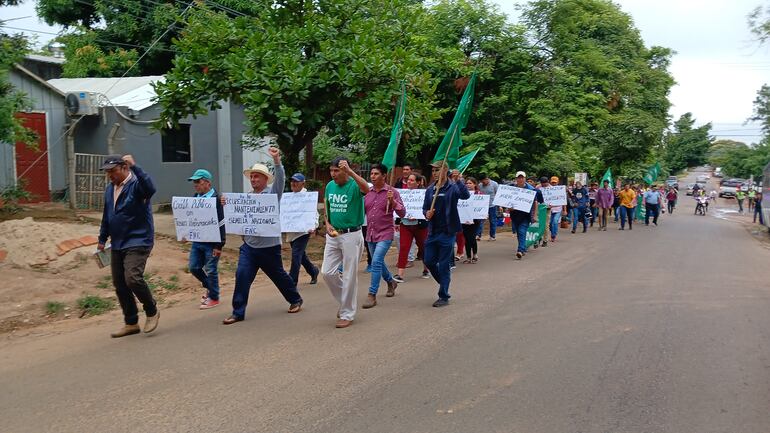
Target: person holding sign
344	203
204	256
127	222
299	240
412	230
556	210
471	227
380	203
262	252
580	207
520	219
489	187
440	208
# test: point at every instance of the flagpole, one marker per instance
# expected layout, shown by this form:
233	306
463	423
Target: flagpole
439	182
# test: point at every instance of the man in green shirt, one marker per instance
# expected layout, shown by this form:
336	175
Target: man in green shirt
344	203
739	197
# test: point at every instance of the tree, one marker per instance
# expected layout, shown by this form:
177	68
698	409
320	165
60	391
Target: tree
687	146
303	66
12	101
720	151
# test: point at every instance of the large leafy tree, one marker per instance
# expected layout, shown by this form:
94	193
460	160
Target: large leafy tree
687	146
301	66
12	49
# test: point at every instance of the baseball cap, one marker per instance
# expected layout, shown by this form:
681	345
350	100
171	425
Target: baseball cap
200	174
112	161
521	173
554	179
543	179
298	177
437	164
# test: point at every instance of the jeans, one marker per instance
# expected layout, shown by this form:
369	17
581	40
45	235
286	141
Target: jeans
438	252
379	269
492	223
250	261
555	221
520	228
758	211
127	268
616	211
671	204
580	213
203	266
626	213
654	210
299	258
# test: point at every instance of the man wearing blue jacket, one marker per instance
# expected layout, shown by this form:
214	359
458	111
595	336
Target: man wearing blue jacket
443	225
127	222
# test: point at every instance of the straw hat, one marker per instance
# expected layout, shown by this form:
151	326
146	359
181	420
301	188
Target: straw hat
261	169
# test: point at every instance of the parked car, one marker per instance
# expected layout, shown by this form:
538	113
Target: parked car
728	187
690	187
718	172
672	181
703	178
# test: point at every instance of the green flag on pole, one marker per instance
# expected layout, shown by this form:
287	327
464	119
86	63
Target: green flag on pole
652	174
389	158
450	145
464	161
607	176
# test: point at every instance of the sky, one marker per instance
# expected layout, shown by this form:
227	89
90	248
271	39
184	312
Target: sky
718	66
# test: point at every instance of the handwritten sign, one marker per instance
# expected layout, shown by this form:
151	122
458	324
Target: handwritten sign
413	200
555	195
475	208
514	197
252	214
196	219
582	178
299	212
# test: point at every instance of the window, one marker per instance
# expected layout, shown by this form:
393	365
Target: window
176	144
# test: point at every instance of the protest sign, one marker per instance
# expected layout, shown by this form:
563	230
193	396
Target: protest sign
555	195
413	200
475	208
252	214
299	212
196	219
582	178
514	197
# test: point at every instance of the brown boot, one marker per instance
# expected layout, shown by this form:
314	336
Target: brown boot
392	285
371	301
126	330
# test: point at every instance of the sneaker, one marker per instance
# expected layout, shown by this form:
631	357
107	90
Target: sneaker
296	307
398	278
151	322
655	224
573	231
452	268
519	255
210	303
440	302
204	298
492	239
392	286
425	274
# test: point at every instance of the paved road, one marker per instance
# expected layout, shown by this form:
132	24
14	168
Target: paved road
653	330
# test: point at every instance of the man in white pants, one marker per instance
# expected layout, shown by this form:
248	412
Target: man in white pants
344	202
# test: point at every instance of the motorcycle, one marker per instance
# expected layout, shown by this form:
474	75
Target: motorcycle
701	205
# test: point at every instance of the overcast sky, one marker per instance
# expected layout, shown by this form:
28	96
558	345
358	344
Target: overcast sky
718	67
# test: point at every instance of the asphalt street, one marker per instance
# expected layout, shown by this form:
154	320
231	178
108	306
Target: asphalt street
658	329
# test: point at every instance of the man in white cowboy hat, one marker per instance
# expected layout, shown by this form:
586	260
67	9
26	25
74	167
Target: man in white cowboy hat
261	252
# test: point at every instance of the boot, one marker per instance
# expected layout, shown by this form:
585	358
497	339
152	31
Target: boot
126	330
371	301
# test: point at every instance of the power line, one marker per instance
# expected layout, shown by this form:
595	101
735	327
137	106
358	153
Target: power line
95	40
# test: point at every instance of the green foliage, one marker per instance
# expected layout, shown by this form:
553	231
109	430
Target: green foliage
720	151
762	109
54	308
739	160
12	101
92	305
12	195
85	58
687	146
759	23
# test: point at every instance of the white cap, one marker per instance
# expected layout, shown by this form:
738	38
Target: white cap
521	173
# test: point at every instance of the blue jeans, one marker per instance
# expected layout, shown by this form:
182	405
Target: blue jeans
616	211
626	213
438	254
520	227
492	223
299	258
203	266
580	213
554	223
250	261
379	249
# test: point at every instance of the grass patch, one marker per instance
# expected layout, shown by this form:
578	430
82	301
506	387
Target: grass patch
155	283
54	308
105	283
92	305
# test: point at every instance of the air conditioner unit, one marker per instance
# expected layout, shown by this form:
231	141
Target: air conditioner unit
82	104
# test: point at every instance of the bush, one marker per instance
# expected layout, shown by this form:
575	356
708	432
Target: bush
11	196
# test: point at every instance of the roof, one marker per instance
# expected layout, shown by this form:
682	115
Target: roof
136	93
45	59
37	79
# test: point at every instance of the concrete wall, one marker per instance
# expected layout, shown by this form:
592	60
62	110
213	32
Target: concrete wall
45	100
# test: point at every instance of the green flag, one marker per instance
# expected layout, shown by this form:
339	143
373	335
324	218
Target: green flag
450	145
389	158
464	161
607	176
652	174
